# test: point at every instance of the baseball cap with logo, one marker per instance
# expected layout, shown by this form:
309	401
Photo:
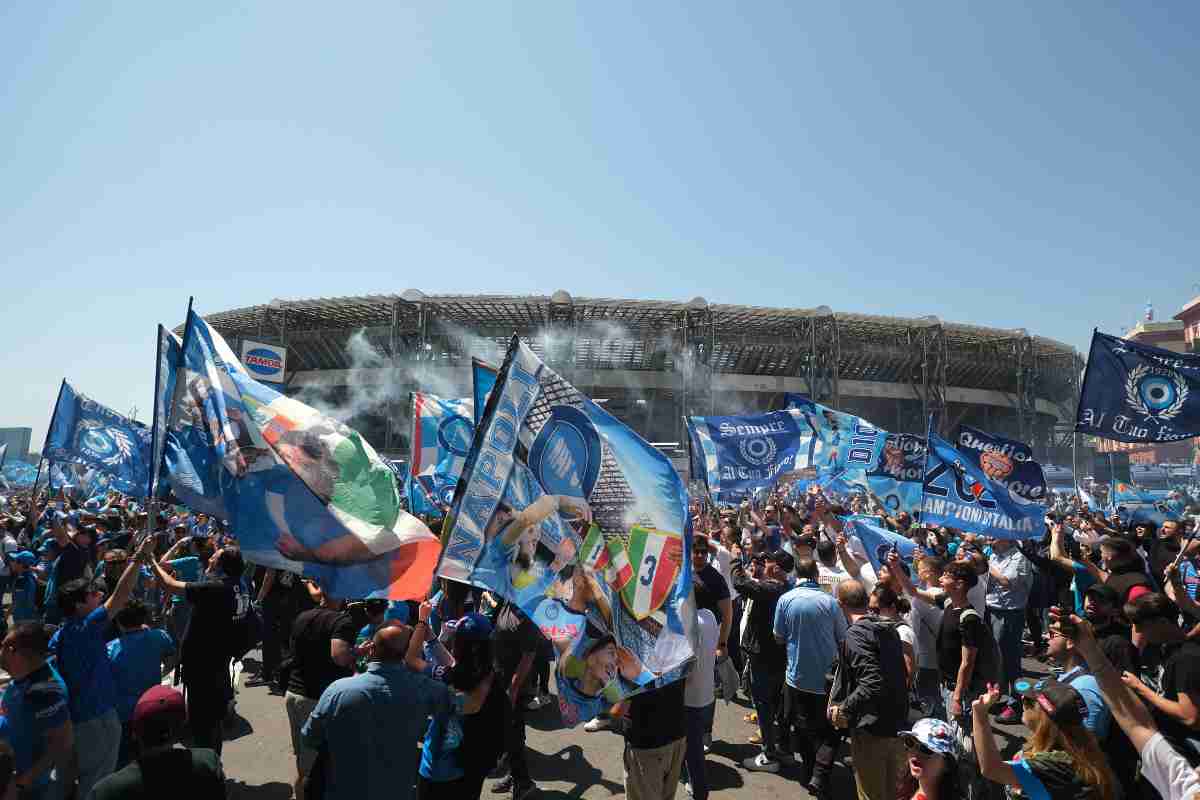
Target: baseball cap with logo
1060	702
932	734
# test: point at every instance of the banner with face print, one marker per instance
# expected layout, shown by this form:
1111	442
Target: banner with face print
300	491
566	512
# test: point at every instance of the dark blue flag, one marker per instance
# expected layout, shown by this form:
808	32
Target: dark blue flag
959	495
1006	461
1136	393
84	432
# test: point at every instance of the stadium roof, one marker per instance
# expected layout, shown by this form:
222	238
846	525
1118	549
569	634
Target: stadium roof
613	333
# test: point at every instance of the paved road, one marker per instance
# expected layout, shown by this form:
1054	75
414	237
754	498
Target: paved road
566	763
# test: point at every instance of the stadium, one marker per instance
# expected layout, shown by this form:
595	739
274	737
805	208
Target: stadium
651	362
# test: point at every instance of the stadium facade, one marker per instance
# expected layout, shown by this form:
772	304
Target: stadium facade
651	362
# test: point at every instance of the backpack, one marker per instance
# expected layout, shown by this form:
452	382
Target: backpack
987	662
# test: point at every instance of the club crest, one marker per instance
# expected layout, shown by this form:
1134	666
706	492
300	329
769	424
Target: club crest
1158	394
996	466
758	451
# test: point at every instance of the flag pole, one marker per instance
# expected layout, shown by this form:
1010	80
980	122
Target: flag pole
46	443
925	464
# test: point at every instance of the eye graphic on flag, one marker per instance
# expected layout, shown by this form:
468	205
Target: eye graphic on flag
566	454
95	441
758	451
1155	392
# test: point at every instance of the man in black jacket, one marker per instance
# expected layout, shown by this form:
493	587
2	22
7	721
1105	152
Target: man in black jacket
761	591
869	695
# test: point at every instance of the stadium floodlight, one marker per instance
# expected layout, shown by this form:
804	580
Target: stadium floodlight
697	303
822	311
412	295
927	321
562	297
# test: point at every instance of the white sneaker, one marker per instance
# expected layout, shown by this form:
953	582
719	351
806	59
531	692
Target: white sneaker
760	763
598	724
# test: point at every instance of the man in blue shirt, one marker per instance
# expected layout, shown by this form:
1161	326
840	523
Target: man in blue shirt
35	706
812	626
1077	675
136	658
394	704
24	587
83	663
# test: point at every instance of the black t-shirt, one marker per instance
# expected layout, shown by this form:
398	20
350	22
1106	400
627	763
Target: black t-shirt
954	634
513	637
710	589
1180	675
209	633
656	717
72	563
178	773
312	632
480	745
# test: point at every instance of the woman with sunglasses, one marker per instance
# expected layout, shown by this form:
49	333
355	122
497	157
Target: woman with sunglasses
932	769
1061	760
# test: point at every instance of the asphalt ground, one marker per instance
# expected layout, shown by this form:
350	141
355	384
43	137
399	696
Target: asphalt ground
565	763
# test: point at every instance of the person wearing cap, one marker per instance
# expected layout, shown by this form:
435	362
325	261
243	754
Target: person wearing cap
82	660
760	590
1061	760
460	750
869	697
24	586
809	623
369	723
161	768
932	753
37	713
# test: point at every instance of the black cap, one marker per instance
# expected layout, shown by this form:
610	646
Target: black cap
1060	702
782	558
1104	593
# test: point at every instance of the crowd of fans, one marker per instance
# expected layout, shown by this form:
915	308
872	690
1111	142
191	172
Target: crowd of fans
121	647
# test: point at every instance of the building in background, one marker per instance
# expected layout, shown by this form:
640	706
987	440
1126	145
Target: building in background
17	440
652	361
1189	318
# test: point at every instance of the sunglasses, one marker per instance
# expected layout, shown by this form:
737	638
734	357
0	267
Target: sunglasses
915	747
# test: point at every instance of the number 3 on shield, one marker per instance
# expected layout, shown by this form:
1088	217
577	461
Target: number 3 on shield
648	573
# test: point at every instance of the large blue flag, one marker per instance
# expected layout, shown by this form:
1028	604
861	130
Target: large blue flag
959	495
1137	393
745	453
19	474
879	542
1006	461
896	479
300	490
566	512
84	432
483	378
169	356
1135	505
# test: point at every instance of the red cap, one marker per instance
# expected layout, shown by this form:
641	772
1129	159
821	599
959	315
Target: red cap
159	710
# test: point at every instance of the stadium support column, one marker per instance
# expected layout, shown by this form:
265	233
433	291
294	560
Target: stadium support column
1027	384
558	337
696	336
929	339
824	354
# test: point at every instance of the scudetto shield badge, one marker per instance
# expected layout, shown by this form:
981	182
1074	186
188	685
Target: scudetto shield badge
656	557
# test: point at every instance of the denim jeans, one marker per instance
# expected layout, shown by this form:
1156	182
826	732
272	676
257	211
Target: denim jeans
766	685
1007	625
699	720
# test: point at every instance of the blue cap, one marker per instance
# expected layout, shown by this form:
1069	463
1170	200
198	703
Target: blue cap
475	627
24	557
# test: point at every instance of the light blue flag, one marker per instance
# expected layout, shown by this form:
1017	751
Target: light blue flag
879	542
959	495
19	474
299	490
616	591
84	432
3	454
896	479
1137	505
1088	500
483	378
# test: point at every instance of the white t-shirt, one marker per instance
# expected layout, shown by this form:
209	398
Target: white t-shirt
1167	771
830	577
722	561
699	690
905	632
9	546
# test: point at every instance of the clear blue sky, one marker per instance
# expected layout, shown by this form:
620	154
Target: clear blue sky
1016	164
